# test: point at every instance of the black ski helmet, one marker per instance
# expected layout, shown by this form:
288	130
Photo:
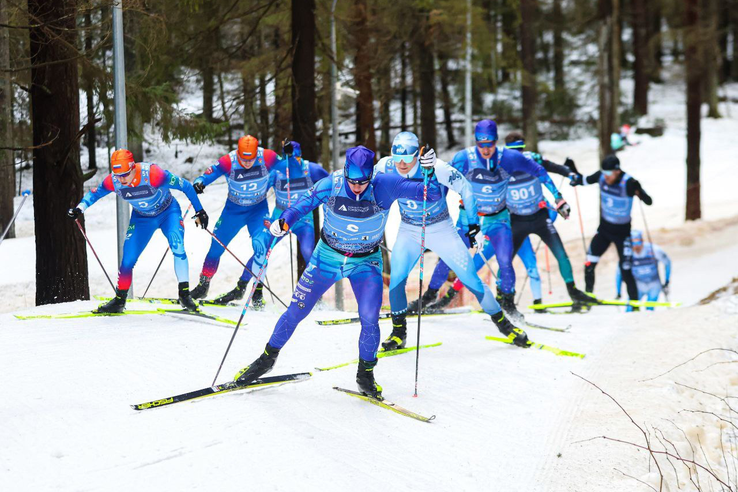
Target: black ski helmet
610	163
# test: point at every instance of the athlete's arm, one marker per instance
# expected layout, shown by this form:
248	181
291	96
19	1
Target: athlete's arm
559	169
515	161
96	193
159	178
663	258
593	178
222	167
312	199
634	188
390	187
453	179
317	172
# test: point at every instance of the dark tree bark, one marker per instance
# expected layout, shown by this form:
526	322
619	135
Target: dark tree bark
711	56
654	16
608	72
490	63
446	97
61	256
363	76
7	169
426	71
283	108
403	88
263	106
694	102
131	27
557	18
208	90
734	28
724	8
304	113
640	51
510	21
89	94
529	88
385	98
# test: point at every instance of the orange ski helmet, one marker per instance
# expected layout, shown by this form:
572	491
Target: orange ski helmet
247	148
122	161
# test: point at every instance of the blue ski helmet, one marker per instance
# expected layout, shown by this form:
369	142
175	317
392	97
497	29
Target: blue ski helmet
297	150
636	237
486	130
405	143
359	164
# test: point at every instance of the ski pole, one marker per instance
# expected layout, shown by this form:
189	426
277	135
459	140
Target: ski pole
422	259
648	233
162	258
581	224
486	262
548	272
94	253
244	266
245	307
525	281
15	215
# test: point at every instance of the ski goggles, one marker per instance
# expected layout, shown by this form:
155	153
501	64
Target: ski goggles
608	172
486	144
359	182
123	175
407	159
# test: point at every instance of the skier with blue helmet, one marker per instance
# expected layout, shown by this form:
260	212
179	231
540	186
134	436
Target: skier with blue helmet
646	259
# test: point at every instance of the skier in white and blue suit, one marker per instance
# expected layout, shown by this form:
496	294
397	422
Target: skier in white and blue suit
646	259
356	205
440	235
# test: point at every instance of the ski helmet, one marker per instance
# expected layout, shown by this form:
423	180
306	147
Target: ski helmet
405	144
636	238
486	131
296	149
359	165
610	163
247	148
122	162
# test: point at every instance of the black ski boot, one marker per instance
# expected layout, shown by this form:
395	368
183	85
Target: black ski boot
115	305
428	297
257	300
397	338
259	367
234	295
444	301
185	299
577	296
537	301
515	335
507	303
201	291
365	380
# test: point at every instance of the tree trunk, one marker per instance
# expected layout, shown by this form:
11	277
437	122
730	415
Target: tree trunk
694	102
616	45
653	39
403	88
734	28
426	71
131	27
263	106
385	99
724	8
711	56
607	104
283	105
363	77
7	167
61	255
510	21
89	93
446	96
304	110
558	46
529	88
640	51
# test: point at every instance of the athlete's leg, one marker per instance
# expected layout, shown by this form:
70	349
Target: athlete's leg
140	230
173	229
365	275
548	233
260	239
526	253
440	273
600	243
305	233
500	238
230	222
405	254
652	293
625	252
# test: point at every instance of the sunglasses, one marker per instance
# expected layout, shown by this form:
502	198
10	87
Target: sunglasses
486	145
407	159
608	172
123	175
358	181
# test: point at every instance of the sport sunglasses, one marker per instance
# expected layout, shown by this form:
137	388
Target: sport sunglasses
407	159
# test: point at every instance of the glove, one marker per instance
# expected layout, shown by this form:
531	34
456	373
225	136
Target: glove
74	213
278	228
665	287
472	234
201	219
287	147
563	208
570	164
199	187
428	159
576	179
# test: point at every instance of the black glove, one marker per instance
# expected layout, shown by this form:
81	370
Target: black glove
576	179
472	234
201	219
287	147
570	164
75	212
199	187
645	197
665	287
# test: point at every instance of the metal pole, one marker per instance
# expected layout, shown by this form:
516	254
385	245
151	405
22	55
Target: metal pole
121	126
468	88
334	125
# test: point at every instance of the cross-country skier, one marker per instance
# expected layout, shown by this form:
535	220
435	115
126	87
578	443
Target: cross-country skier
646	259
356	206
489	169
617	190
440	236
247	171
146	187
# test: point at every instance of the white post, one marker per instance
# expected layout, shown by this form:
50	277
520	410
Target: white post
468	88
121	126
334	125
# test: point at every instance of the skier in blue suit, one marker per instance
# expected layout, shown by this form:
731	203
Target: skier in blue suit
646	259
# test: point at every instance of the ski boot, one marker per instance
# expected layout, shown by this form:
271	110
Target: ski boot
201	291
444	301
365	380
507	303
537	301
397	338
259	367
428	297
115	305
579	297
185	299
257	300
234	295
516	335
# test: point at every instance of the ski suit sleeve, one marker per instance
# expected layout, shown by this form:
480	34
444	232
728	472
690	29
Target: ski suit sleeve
460	162
633	187
270	158
221	168
618	280
593	178
663	258
559	169
390	187
316	196
317	172
515	161
453	179
96	193
162	179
